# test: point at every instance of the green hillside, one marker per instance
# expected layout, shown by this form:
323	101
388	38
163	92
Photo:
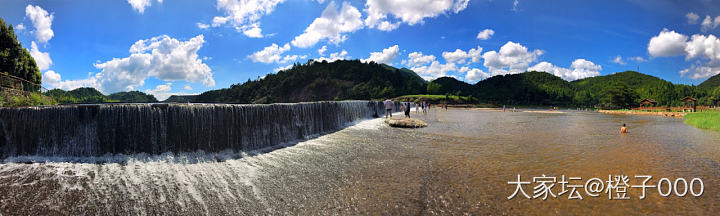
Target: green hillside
450	85
132	97
529	88
79	95
710	83
91	95
180	98
595	90
317	81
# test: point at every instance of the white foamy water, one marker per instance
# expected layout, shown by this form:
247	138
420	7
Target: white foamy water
196	182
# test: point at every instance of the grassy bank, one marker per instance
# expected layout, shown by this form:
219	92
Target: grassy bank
706	120
35	99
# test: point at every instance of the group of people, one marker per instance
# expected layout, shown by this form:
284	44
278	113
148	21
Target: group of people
405	107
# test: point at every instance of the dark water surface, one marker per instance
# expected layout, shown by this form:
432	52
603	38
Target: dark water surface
460	164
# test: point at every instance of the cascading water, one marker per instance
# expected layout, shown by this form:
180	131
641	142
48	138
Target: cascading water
95	130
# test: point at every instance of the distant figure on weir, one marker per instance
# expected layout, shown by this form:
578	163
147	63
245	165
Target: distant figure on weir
417	107
388	107
623	129
407	109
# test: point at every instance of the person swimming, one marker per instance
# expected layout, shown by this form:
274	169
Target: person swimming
623	129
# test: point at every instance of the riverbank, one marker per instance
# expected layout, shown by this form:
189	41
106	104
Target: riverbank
630	112
705	120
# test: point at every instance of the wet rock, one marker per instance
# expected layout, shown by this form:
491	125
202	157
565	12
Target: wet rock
406	123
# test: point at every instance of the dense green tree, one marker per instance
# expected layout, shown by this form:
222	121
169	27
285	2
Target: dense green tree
433	88
714	96
619	95
16	60
132	97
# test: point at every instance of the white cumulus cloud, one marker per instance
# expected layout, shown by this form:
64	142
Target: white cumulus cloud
692	18
139	5
579	69
244	15
334	57
458	56
331	25
709	23
162	57
619	60
273	54
322	50
42	59
512	58
386	56
417	58
667	43
434	70
485	34
706	48
161	92
410	12
202	25
703	49
474	75
42	21
50	77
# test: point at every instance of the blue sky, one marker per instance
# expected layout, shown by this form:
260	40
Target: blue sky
187	46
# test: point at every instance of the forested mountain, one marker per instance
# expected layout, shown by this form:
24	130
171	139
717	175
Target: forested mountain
710	83
78	95
529	88
132	97
16	60
92	95
180	98
450	85
316	81
599	89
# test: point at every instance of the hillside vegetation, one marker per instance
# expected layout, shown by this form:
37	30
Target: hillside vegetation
711	83
318	81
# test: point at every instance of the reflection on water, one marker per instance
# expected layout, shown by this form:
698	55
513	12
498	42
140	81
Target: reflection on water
461	163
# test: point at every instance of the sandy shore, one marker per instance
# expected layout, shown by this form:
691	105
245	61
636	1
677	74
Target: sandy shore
544	111
666	114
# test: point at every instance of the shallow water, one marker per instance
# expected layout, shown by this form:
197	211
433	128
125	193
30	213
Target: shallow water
461	163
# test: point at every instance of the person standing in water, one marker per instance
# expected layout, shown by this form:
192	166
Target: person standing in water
388	107
623	129
407	109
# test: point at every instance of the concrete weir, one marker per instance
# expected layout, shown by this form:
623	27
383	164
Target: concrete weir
95	130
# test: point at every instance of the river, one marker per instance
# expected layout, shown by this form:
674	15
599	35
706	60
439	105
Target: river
461	163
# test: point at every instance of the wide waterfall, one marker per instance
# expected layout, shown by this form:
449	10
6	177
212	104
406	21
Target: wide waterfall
95	130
